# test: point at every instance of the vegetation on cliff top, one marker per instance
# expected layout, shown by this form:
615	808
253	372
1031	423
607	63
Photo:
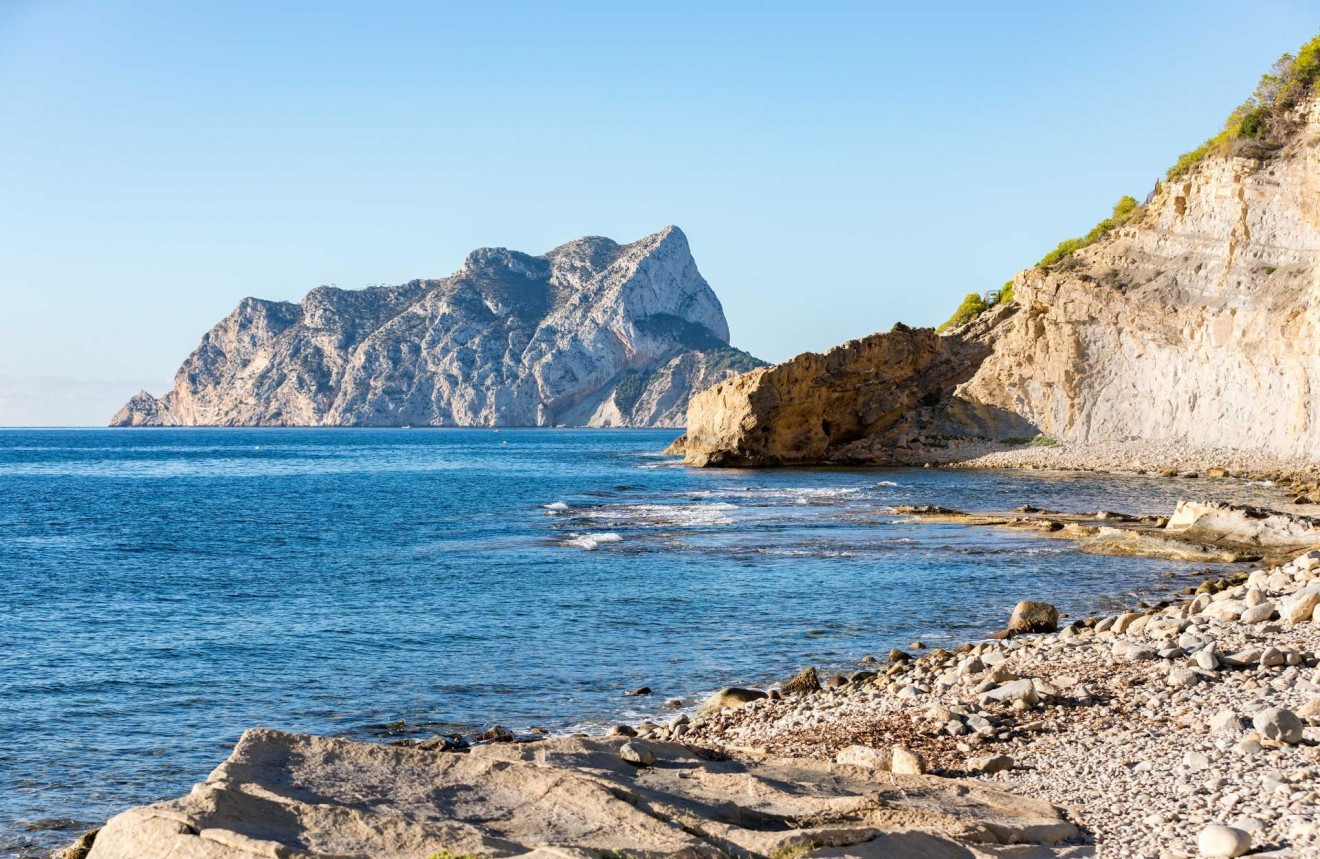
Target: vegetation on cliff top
1257	127
1262	123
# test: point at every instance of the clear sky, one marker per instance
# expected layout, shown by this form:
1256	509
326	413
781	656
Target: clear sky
837	167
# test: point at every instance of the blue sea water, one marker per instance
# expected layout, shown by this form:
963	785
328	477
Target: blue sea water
162	590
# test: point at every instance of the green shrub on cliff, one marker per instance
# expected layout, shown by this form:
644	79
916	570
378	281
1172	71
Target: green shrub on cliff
972	306
1125	210
1006	292
1262	122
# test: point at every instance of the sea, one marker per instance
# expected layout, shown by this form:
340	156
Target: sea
161	590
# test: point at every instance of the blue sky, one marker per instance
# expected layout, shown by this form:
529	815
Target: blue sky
837	167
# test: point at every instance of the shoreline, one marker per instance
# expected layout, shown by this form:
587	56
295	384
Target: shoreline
825	718
1100	719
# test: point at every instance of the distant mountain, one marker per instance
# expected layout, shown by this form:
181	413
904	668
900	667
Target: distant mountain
593	333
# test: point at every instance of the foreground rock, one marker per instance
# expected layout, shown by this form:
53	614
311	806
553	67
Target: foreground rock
592	333
291	795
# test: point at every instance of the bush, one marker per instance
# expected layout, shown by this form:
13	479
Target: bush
1126	209
972	306
1263	118
1006	293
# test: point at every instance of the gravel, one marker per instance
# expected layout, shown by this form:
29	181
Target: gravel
1152	755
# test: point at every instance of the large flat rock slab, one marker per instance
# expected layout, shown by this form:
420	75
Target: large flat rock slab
293	795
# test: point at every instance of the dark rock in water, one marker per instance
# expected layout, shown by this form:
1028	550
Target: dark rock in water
81	848
862	676
674	703
804	683
897	655
1031	616
640	690
867	660
444	744
838	680
622	731
497	734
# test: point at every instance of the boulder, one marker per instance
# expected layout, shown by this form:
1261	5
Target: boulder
804	682
1303	605
990	764
637	753
1032	616
864	756
1276	723
1222	842
904	761
1258	613
731	697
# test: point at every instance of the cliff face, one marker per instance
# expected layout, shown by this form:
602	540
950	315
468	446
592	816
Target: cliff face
1200	323
592	333
1196	322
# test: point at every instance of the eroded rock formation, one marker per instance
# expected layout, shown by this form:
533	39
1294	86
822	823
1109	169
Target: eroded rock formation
1195	322
291	795
592	333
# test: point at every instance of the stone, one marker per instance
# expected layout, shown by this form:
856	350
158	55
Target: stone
864	756
637	753
1310	710
641	690
1032	616
1226	721
622	731
1132	651
904	761
1279	724
1222	842
496	734
1303	605
638	315
1258	613
1182	677
804	682
1015	690
990	764
731	696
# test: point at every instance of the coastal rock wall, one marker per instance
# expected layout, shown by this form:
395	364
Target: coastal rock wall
1195	323
591	333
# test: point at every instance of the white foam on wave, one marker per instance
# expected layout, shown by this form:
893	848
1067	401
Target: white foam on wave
555	507
591	542
664	515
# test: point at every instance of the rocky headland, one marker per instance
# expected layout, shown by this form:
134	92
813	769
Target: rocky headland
592	333
1184	325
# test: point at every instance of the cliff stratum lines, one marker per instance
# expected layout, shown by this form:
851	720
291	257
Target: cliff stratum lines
592	333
